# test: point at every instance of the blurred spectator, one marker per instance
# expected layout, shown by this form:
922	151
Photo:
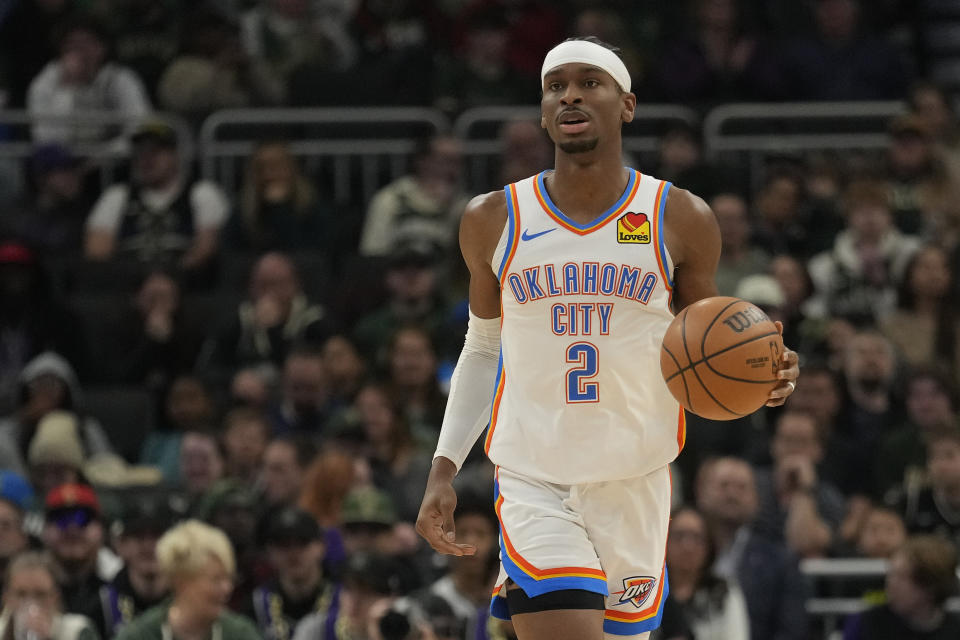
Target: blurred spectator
162	215
714	608
860	274
525	151
399	468
883	533
201	463
932	506
27	36
716	60
275	316
245	436
924	192
765	570
73	534
933	104
279	208
328	481
801	330
796	505
421	208
32	605
739	257
51	217
32	320
922	575
139	585
480	74
146	33
370	583
233	508
304	404
368	520
253	387
212	71
198	562
285	463
282	35
841	61
294	545
778	226
924	325
413	384
187	406
931	406
16	497
82	78
56	454
47	383
466	588
412	278
681	161
609	24
824	177
345	369
155	341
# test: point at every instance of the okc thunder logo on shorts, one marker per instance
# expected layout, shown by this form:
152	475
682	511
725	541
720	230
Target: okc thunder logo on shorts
636	590
633	228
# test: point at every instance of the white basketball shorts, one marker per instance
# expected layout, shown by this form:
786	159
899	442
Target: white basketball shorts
605	537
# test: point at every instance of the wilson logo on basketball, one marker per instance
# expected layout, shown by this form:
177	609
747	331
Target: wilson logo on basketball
636	590
743	320
633	228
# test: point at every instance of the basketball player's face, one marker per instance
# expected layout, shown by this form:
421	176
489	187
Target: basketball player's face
582	106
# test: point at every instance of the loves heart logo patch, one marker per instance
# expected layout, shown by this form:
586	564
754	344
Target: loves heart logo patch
633	228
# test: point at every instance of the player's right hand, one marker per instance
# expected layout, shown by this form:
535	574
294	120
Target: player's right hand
435	520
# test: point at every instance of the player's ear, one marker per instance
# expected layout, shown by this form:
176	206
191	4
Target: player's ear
629	106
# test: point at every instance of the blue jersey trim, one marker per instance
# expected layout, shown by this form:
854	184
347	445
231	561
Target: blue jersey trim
662	245
511	240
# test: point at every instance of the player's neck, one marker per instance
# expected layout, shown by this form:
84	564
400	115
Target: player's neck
584	187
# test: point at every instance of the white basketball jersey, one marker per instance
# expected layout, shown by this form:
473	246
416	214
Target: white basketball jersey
579	396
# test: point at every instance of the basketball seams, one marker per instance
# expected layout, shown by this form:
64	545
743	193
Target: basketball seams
683	379
721	352
683	335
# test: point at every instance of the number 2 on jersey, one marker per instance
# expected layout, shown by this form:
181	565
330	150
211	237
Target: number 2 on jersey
585	355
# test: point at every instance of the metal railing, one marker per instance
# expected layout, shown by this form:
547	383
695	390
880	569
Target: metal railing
343	137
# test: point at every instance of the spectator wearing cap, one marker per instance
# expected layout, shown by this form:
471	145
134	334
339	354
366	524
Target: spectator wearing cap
56	453
739	257
276	316
73	533
921	577
48	383
295	550
140	585
466	588
424	206
161	216
924	192
83	79
371	582
16	497
367	519
32	604
414	297
197	560
51	216
33	319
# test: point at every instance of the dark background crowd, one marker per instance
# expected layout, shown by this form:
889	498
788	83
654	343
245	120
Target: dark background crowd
270	363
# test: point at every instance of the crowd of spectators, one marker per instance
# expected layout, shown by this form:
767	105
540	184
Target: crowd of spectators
218	407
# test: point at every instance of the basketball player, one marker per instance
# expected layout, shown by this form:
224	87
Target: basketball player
575	275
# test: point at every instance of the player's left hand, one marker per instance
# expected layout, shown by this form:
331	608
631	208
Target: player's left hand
788	374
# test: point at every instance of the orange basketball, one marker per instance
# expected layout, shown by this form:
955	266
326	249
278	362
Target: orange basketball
720	358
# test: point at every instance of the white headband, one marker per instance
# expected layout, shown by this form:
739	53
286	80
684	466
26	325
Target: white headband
587	53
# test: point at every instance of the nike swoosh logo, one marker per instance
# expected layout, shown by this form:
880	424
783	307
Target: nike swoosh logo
530	236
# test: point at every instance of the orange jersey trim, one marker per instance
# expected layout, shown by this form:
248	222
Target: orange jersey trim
681	430
639	616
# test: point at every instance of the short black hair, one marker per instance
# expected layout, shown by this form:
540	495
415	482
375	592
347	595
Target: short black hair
596	40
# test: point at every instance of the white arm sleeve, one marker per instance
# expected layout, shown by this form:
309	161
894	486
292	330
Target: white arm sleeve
471	390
